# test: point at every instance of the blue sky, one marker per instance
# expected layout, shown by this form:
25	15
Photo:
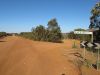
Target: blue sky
22	15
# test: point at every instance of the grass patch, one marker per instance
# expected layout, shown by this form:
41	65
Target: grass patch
74	45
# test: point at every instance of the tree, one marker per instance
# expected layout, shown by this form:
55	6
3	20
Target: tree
26	35
54	34
95	22
71	35
39	33
79	29
2	34
95	18
52	24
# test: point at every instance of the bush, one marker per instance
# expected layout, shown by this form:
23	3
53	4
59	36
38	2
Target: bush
2	34
51	34
39	33
28	35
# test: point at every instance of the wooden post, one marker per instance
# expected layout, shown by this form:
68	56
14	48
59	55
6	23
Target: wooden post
92	37
84	48
84	52
98	60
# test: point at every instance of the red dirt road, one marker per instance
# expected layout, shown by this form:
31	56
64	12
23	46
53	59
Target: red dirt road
19	56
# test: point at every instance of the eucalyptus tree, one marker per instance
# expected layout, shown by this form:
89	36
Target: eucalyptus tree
55	34
95	18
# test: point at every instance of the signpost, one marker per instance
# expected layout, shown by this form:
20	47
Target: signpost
87	33
90	45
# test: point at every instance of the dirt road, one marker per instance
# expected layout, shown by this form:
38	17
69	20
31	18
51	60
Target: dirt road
19	56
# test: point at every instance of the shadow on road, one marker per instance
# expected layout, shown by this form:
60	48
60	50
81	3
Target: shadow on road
2	41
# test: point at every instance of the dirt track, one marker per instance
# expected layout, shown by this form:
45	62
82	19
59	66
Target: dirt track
19	56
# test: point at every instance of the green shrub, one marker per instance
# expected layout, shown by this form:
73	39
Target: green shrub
2	34
52	33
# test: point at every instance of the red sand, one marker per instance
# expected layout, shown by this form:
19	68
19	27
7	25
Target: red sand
19	56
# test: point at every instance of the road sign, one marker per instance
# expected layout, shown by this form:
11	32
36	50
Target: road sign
85	32
82	32
93	45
